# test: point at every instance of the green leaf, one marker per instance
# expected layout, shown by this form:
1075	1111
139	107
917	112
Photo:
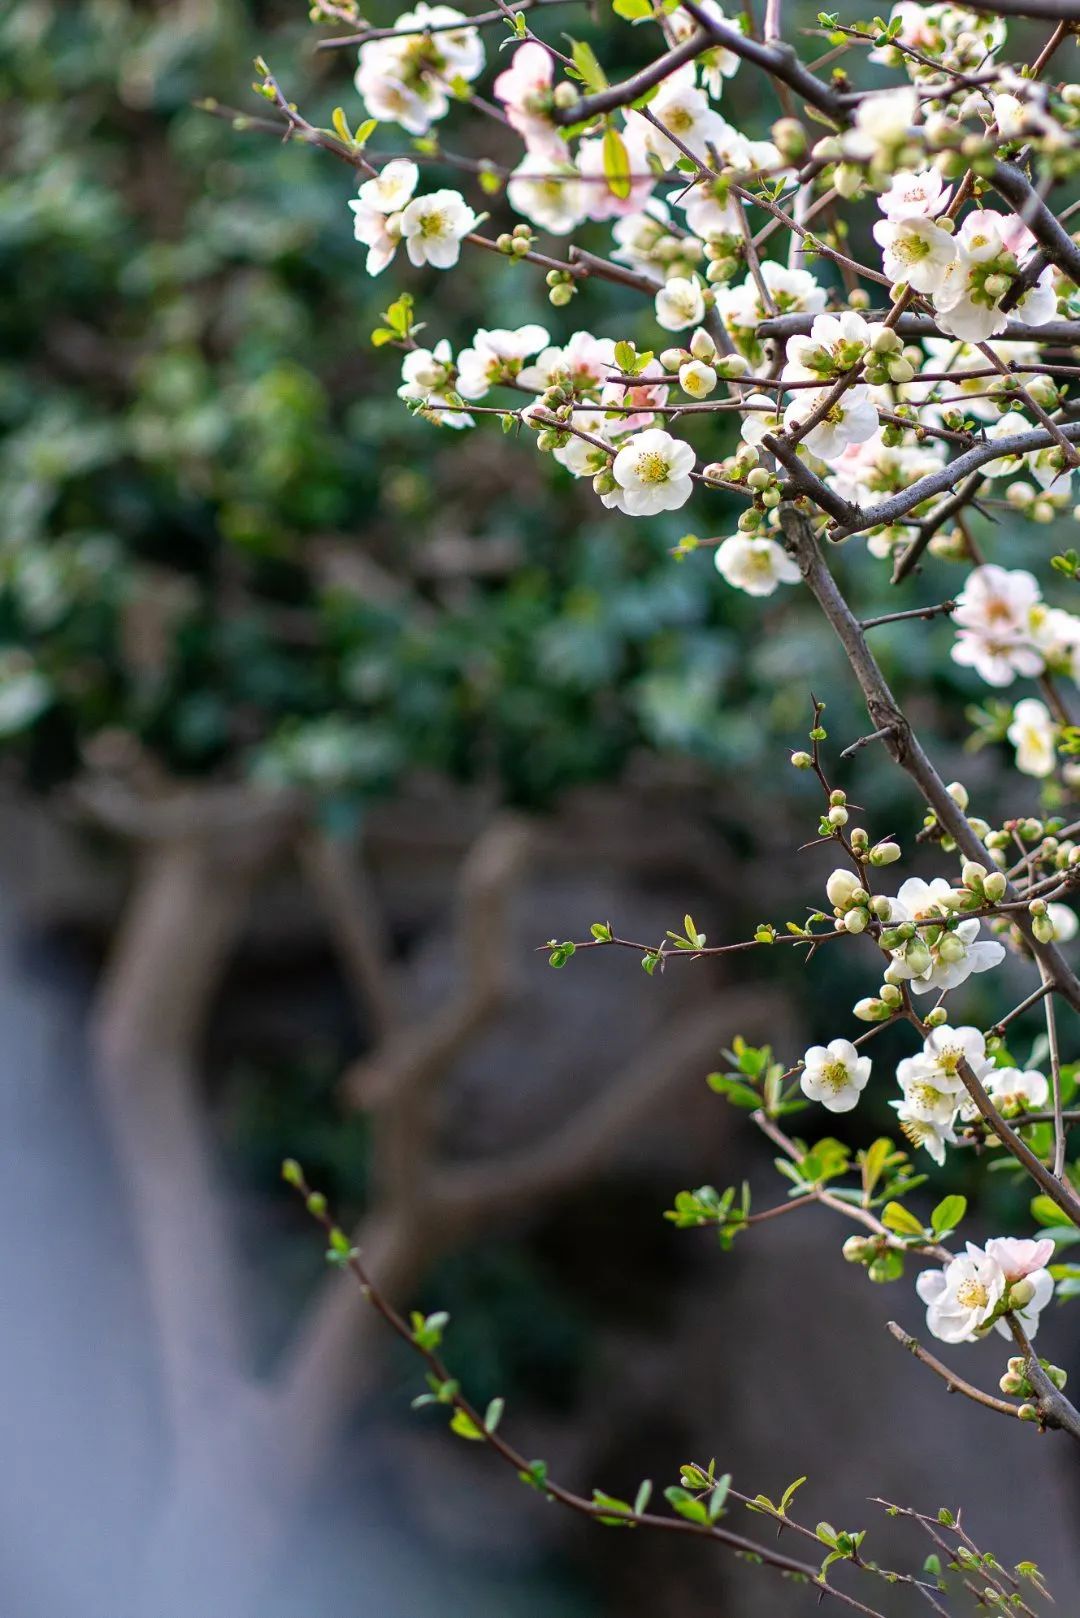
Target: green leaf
589	69
632	10
462	1424
686	1505
622	1509
789	1493
642	1498
898	1218
948	1214
493	1414
365	132
341	126
616	162
381	336
874	1160
1045	1211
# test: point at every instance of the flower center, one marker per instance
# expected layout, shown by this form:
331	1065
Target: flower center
972	1295
653	468
835	1075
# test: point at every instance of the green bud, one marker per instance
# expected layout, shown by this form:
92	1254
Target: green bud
937	1017
994	886
802	761
292	1173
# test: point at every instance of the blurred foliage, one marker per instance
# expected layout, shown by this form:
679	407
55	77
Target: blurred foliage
225	539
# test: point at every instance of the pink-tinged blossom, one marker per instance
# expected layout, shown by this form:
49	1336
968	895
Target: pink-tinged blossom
993	619
525	90
641	397
585	362
910	196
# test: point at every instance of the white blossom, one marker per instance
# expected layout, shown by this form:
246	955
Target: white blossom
961	1297
433	227
548	192
496	356
915	250
755	564
851	420
680	303
834	1074
1034	735
653	474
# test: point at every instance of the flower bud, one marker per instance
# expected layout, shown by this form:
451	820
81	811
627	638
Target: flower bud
838	815
900	370
857	1249
802	761
918	957
973	874
673	359
856	920
871	1009
605	482
1011	1383
560	296
702	346
937	1017
697	379
884	853
847	180
952	949
840	887
1028	1412
565	95
759	478
732	365
1021	1292
891	995
994	886
1043	928
881	905
789	137
958	792
858	839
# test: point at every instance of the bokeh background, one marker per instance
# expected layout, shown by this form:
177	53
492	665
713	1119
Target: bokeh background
316	721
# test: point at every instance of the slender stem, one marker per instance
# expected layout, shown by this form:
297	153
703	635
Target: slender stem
954	1383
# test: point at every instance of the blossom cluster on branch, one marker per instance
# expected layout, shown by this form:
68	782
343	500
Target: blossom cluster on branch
896	394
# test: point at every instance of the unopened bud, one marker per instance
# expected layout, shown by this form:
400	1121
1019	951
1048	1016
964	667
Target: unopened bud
994	886
838	815
1021	1292
936	1018
884	853
871	1009
847	180
891	995
857	1249
958	792
857	920
565	95
702	346
672	359
802	761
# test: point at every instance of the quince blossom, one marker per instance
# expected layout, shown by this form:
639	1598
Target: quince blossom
755	564
433	227
1034	735
834	1074
653	473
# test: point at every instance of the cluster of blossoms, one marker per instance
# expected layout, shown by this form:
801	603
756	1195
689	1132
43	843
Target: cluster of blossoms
883	421
968	1297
